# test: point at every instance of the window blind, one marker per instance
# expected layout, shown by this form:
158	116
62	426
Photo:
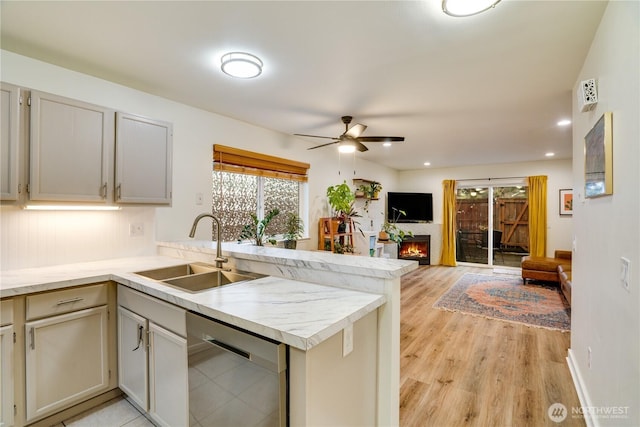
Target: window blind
230	159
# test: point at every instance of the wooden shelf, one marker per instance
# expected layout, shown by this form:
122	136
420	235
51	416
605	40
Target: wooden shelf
328	234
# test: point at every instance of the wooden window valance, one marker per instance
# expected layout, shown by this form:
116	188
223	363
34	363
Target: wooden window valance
235	160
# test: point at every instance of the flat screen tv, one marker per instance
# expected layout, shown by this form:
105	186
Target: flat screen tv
417	206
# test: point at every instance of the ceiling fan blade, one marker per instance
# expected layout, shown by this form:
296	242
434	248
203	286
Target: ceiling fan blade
381	139
323	145
360	146
314	136
355	130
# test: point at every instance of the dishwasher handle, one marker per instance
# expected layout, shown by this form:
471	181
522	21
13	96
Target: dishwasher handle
230	348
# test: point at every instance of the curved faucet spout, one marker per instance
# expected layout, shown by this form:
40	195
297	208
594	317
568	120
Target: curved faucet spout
219	258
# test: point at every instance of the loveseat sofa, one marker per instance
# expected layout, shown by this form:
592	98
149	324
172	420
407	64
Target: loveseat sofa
556	270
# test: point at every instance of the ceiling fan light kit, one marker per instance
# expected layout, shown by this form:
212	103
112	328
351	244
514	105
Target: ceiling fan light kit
462	8
351	140
241	65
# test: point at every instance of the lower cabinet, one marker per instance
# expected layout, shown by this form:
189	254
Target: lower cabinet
152	357
7	343
65	360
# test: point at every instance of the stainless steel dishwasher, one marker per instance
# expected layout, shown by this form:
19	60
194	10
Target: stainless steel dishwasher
236	378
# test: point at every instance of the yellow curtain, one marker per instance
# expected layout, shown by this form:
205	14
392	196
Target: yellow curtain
448	255
537	215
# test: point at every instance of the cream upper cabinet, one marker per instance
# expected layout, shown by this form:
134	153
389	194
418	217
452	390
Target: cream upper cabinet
143	160
10	185
71	146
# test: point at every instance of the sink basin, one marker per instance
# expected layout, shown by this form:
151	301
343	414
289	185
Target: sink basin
177	271
212	279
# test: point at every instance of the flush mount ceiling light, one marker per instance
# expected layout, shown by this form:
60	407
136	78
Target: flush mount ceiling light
461	8
564	122
241	65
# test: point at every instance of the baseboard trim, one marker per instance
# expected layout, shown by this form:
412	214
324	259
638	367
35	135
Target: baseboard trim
581	389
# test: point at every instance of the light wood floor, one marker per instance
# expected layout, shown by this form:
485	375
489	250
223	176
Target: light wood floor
458	369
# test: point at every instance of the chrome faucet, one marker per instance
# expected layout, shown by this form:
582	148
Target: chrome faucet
219	258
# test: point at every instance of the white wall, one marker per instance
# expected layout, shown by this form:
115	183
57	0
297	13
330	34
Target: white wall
559	176
606	317
31	239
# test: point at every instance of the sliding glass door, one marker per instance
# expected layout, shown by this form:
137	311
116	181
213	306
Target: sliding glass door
491	224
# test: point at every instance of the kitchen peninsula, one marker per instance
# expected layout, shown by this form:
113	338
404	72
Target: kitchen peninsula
305	302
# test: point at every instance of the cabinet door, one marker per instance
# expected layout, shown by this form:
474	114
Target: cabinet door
66	360
168	377
143	160
10	139
6	376
71	150
132	356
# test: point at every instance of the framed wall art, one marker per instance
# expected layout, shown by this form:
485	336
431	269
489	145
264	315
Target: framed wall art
566	202
598	158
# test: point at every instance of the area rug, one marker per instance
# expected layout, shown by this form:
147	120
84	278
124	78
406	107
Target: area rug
507	298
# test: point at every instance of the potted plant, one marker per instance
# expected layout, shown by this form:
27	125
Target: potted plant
257	229
341	200
370	191
294	228
391	229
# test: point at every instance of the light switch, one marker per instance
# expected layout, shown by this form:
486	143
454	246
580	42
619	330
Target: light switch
625	272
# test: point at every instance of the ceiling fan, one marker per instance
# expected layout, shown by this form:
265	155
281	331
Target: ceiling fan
351	137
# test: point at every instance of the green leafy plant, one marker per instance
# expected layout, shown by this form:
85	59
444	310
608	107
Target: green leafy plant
294	229
396	234
370	191
340	199
257	229
342	248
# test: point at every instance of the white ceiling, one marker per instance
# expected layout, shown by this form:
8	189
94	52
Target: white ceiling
478	90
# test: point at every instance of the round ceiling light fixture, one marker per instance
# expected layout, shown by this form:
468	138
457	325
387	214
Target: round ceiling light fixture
461	8
347	147
241	65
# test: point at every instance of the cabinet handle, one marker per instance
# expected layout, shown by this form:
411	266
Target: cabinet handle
33	341
103	191
119	191
69	301
140	337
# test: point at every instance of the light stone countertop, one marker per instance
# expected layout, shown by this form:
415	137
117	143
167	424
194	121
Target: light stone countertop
297	313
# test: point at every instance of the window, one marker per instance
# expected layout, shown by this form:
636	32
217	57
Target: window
245	182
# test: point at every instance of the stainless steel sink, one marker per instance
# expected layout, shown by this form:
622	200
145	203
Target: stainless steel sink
197	276
177	271
212	279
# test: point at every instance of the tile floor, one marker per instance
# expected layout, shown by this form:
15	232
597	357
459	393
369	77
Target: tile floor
114	413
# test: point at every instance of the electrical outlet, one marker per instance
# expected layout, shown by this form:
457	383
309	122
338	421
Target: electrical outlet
625	272
589	357
136	229
347	340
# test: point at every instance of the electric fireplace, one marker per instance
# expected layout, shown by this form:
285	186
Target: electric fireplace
417	248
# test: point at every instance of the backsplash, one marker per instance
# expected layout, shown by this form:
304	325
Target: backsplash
44	238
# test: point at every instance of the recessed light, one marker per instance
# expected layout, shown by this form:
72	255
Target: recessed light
550	154
241	65
427	163
564	122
